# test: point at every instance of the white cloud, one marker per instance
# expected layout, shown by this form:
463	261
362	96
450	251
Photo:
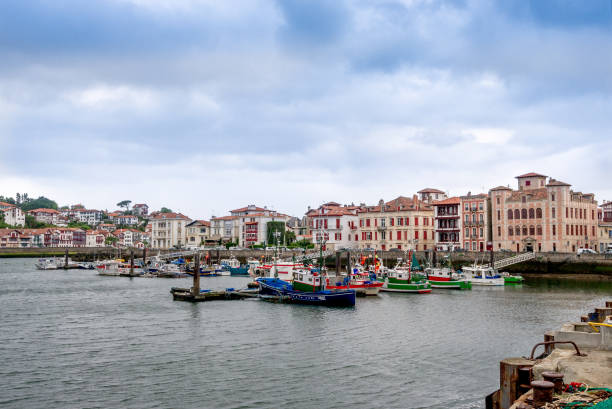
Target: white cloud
114	97
495	136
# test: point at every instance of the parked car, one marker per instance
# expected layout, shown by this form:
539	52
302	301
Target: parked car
585	251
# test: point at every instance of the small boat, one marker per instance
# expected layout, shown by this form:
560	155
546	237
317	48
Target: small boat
362	282
445	277
232	265
510	279
482	275
403	279
47	264
319	296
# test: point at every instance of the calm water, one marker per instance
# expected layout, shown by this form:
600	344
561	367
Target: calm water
74	339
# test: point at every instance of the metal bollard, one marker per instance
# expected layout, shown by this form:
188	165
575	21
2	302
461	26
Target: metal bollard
542	393
556	378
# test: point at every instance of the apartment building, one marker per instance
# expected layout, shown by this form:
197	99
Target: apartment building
334	225
168	230
49	216
198	233
402	223
475	217
13	215
447	214
543	215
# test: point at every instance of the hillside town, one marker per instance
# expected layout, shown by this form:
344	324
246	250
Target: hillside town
540	214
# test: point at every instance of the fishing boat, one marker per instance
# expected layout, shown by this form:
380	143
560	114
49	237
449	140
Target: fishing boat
447	278
362	282
318	295
482	275
403	279
510	279
232	265
47	264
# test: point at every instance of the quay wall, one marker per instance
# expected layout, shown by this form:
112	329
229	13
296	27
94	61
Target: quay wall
544	263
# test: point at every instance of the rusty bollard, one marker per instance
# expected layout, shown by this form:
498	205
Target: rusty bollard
556	378
542	393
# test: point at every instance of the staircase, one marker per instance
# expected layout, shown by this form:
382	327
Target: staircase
513	260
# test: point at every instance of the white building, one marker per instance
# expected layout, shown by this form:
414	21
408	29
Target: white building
125	220
334	224
168	230
90	216
95	238
49	216
12	214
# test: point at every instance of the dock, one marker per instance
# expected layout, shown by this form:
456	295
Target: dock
186	294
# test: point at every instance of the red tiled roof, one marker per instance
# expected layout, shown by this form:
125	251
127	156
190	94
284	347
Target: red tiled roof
169	216
501	188
450	200
244	209
534	194
43	210
226	218
530	175
554	182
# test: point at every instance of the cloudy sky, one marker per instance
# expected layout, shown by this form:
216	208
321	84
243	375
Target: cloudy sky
204	105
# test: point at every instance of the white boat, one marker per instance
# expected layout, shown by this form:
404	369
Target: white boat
482	275
47	264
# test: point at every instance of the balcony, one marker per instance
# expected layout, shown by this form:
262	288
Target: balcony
381	228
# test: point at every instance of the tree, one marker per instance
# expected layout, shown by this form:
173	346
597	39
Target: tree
111	240
40	203
273	228
125	203
79	225
290	237
165	210
7	199
18	199
32	223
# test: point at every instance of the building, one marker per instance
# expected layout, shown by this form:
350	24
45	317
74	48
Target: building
90	216
48	216
140	209
430	195
95	238
475	221
225	229
333	224
253	227
402	223
168	230
129	237
604	233
125	220
13	215
198	233
606	212
14	238
108	227
542	215
447	214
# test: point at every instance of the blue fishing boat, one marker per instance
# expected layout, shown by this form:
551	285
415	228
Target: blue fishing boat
285	290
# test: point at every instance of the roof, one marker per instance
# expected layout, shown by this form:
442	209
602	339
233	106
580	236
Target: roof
430	190
43	210
225	218
244	209
450	200
4	204
169	215
530	175
553	182
476	196
125	216
140	205
534	194
202	222
501	188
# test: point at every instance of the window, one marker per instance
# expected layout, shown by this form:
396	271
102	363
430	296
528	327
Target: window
480	206
499	215
524	230
467	207
425	221
510	215
360	222
416	221
392	221
416	234
552	197
554	230
510	231
517	214
337	223
497	202
482	232
572	212
593	230
407	221
467	232
518	231
539	230
367	222
531	213
524	213
553	213
566	212
524	199
538	213
572	229
498	231
425	235
474	232
467	219
326	223
527	182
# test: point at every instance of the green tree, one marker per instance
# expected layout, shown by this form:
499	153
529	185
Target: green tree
273	228
125	203
165	210
32	223
111	240
290	237
79	225
7	199
40	203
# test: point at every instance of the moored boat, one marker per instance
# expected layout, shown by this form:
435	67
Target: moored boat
362	282
402	279
47	264
287	293
510	279
482	275
445	277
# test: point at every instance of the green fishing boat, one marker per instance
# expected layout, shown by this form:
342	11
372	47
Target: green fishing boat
402	278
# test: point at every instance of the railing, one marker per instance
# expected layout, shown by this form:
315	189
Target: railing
513	260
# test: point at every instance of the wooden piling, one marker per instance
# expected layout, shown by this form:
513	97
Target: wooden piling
132	262
66	259
144	256
338	262
348	262
509	380
195	290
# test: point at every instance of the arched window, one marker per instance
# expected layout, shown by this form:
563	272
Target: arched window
524	230
518	231
524	213
510	214
538	213
517	214
531	231
531	214
510	231
539	230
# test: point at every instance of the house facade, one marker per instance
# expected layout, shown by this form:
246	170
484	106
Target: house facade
168	230
253	227
125	220
225	229
198	233
447	215
334	225
543	215
49	216
475	221
140	209
13	215
95	238
430	195
402	223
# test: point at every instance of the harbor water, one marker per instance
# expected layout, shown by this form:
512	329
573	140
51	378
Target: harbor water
72	339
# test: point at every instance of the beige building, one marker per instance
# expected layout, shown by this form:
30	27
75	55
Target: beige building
49	216
542	216
198	233
604	237
403	223
168	230
225	229
474	210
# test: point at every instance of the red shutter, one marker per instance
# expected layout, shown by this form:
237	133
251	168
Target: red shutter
425	235
392	219
337	223
376	235
325	223
416	221
416	234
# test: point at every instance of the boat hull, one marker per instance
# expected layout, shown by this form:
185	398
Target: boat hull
239	271
450	284
487	281
396	287
284	290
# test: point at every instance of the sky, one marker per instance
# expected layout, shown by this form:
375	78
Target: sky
204	106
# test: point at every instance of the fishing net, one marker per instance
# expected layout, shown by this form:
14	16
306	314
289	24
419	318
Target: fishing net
579	395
